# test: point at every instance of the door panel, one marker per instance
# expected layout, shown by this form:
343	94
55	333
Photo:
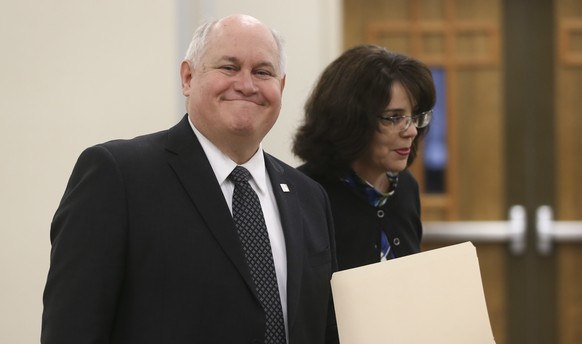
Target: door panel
569	293
480	153
568	133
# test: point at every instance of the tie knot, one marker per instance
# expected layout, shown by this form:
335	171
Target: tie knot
240	175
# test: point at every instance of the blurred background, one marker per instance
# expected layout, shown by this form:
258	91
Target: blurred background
501	165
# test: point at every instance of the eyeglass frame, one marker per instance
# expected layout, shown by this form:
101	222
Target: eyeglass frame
409	119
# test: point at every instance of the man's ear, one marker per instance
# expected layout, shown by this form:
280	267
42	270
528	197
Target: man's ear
283	82
185	77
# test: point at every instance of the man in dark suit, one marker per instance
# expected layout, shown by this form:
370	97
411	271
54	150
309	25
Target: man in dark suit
144	246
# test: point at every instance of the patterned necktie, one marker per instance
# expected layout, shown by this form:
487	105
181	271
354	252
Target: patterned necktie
252	232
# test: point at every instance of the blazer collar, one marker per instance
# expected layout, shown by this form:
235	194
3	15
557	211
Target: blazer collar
192	168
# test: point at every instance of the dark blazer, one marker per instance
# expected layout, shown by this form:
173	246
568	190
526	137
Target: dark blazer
358	224
144	250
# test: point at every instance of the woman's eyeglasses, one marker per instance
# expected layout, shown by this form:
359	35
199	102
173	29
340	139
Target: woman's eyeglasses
402	123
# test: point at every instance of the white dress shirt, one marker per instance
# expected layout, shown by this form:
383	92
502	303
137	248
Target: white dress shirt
222	166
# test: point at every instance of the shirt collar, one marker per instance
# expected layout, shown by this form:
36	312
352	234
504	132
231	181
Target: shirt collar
222	165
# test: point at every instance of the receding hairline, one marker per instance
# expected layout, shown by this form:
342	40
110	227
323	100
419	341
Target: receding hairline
199	44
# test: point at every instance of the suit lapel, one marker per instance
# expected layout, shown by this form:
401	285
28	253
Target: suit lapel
289	209
192	168
196	175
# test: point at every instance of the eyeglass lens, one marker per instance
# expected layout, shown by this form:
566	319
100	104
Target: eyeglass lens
420	121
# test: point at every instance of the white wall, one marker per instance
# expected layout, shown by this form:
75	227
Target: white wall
75	73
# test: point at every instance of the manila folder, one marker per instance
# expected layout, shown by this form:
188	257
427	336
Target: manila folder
431	297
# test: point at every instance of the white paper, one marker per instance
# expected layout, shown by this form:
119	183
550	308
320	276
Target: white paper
431	297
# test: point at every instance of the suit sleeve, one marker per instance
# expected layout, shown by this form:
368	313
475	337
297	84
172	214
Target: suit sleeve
88	237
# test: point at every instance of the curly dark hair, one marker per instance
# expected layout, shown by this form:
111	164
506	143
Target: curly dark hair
341	114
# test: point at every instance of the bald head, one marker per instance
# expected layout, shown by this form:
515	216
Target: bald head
240	20
228	26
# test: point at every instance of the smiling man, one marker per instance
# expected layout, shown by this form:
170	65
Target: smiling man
234	89
147	246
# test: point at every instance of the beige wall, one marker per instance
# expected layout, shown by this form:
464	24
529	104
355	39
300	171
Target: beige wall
74	73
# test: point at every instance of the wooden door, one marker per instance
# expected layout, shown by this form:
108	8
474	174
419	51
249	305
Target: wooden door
512	85
568	163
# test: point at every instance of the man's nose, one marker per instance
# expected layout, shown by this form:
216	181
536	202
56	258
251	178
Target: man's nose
245	83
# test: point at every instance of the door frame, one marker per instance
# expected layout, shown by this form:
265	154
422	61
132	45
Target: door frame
529	75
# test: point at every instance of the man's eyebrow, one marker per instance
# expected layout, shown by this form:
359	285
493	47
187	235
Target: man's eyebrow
235	60
231	59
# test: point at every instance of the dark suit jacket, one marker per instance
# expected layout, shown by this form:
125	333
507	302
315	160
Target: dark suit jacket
358	224
144	250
